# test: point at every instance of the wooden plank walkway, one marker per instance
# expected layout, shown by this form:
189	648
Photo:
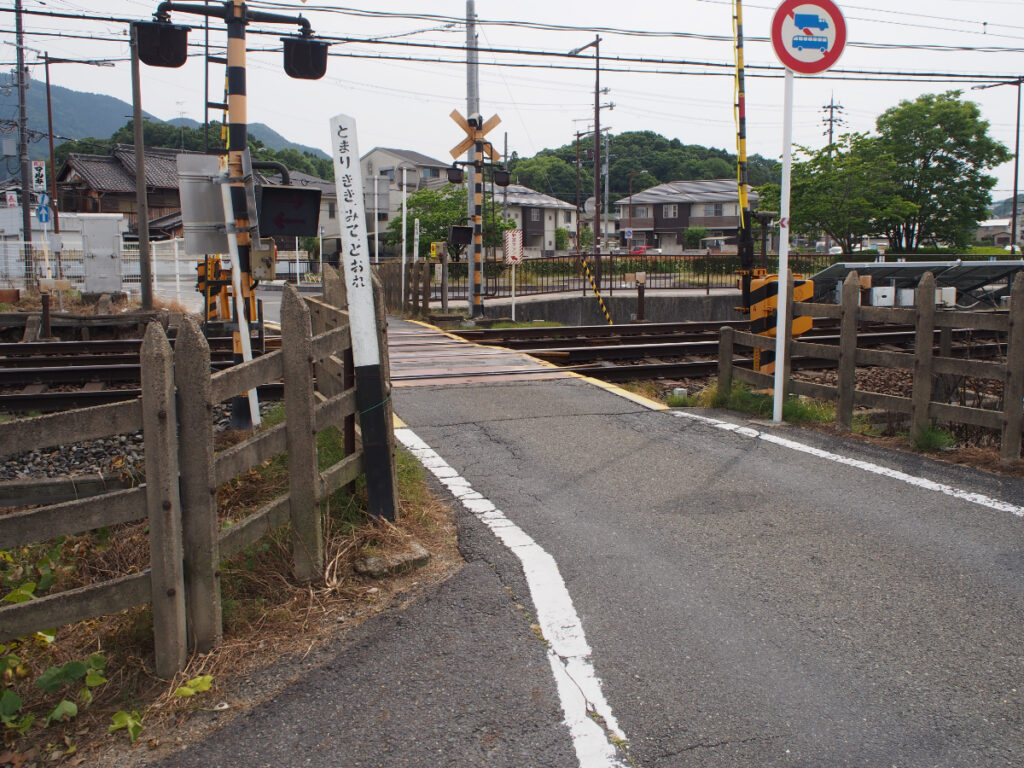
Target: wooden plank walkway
425	356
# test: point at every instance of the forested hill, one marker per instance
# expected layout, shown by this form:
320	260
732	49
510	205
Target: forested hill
553	171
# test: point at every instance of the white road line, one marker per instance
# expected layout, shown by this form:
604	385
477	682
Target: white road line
919	482
579	688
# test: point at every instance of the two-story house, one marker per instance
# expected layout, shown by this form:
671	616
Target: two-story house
538	215
385	170
659	216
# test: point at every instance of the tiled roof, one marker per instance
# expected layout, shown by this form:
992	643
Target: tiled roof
520	195
415	158
707	191
103	173
161	165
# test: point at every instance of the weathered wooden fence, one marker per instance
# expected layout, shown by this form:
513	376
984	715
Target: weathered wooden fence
178	498
923	362
415	298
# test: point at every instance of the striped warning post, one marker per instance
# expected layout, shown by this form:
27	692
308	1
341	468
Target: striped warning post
597	293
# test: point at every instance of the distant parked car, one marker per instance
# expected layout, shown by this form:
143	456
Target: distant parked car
641	250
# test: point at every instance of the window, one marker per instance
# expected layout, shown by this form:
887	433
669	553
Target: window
567	217
535	214
429	173
670	211
330	210
712	209
389	173
641	212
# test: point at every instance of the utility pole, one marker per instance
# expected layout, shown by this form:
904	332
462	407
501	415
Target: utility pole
53	165
607	169
142	202
1016	157
597	160
579	208
832	120
26	172
473	112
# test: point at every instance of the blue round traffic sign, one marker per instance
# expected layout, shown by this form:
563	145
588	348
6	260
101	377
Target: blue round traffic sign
43	214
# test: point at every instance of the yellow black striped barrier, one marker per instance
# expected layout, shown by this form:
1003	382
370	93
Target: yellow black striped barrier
597	292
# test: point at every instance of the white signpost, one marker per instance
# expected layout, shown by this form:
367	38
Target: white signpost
355	261
513	257
808	37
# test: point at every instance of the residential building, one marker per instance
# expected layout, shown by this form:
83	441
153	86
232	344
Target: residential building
538	215
660	216
997	231
106	184
391	168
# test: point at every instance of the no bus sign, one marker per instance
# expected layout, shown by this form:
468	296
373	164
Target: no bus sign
808	35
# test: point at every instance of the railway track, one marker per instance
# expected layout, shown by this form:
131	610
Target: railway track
51	376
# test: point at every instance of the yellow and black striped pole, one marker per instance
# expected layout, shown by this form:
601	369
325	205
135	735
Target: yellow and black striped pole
478	224
745	231
597	292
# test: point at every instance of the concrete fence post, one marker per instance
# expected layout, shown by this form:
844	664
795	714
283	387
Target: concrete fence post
303	474
199	525
847	383
336	294
726	338
923	345
163	504
389	411
1013	384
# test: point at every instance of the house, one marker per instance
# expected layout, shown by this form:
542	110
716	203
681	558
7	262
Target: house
106	184
998	231
538	215
384	171
659	216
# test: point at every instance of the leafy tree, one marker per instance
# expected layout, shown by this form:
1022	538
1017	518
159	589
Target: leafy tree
439	209
586	238
847	190
551	175
693	236
941	149
561	239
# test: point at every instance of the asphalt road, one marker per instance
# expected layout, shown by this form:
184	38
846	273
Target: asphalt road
748	604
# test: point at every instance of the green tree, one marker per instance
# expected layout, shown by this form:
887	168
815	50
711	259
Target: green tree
551	175
693	236
561	239
439	209
847	190
941	149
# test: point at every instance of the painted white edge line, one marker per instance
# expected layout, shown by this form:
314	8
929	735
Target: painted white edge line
867	466
579	688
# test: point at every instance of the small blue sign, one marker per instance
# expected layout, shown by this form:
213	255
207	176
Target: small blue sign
43	214
44	199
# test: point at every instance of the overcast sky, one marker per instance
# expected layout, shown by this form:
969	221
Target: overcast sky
406	103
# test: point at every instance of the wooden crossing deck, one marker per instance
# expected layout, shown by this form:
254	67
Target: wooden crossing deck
425	356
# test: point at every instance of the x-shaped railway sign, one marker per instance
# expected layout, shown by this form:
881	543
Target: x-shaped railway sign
475	134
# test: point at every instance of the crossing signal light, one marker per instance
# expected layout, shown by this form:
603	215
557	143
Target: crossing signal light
162	44
460	235
305	58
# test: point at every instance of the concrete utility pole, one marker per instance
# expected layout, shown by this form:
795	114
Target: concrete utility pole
597	160
142	203
472	111
26	170
832	120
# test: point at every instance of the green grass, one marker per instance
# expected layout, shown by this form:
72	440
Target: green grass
933	439
796	410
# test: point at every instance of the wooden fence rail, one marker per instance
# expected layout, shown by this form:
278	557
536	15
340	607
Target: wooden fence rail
921	406
415	298
178	497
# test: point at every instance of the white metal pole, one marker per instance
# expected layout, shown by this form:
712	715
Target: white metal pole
404	255
236	290
297	273
376	220
782	320
320	249
177	276
415	240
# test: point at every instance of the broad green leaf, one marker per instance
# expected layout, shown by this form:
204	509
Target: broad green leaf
21	594
92	679
66	710
126	720
97	661
201	683
53	678
86	696
10	703
184	692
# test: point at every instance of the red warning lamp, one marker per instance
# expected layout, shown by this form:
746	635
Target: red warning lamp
305	58
162	44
